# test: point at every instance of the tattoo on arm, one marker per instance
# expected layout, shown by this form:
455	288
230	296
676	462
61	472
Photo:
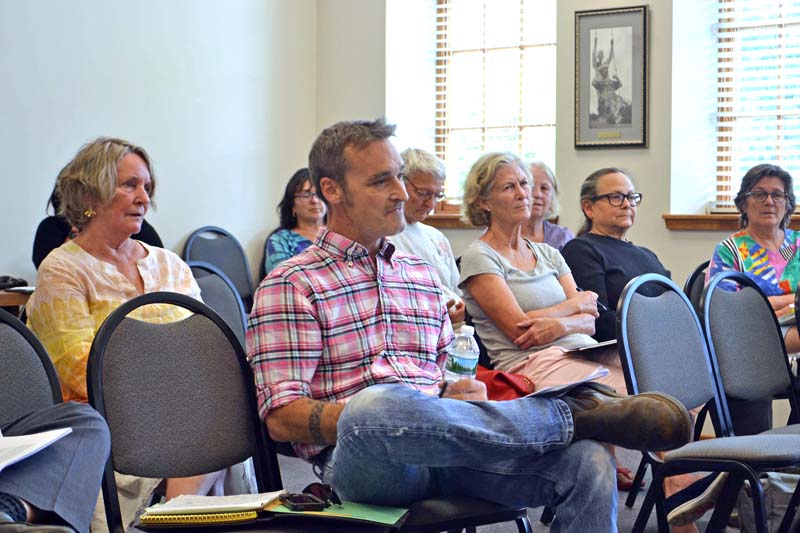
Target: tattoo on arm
315	423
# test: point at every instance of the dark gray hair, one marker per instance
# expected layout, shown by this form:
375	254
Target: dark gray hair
589	190
326	159
751	179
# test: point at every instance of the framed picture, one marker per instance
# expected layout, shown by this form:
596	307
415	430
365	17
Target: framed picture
611	77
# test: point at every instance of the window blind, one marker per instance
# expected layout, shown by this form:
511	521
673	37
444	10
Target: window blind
758	90
495	82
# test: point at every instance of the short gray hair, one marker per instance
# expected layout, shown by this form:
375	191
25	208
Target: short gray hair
326	158
417	160
90	179
480	180
554	207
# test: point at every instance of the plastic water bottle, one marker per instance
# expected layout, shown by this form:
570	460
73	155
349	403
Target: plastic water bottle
462	356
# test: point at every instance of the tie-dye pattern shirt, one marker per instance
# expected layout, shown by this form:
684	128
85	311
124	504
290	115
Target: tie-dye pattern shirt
775	271
76	292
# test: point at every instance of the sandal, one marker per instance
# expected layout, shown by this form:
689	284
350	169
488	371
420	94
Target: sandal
625	479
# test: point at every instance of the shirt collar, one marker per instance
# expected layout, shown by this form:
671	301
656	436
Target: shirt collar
340	247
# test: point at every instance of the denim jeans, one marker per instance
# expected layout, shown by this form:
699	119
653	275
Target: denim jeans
396	445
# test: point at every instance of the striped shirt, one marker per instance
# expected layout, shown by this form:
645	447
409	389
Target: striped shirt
332	321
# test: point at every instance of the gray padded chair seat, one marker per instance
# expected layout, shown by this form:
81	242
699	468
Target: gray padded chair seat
753	449
794	429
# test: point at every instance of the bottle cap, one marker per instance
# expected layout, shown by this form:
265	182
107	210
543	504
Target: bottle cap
467	330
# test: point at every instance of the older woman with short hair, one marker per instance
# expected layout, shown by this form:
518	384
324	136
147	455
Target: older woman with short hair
766	250
524	302
521	294
544	206
105	192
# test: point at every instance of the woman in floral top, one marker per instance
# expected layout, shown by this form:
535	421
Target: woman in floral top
766	250
302	213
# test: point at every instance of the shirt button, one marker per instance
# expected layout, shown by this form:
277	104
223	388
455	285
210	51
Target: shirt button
388	320
350	264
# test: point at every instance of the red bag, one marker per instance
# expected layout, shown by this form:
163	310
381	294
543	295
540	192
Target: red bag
502	385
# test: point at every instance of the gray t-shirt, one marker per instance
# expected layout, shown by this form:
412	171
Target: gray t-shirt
535	289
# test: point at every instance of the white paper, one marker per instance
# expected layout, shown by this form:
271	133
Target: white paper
15	449
194	504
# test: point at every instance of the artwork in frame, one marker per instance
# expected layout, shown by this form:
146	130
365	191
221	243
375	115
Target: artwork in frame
611	77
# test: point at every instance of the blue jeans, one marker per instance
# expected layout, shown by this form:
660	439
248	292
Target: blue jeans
396	445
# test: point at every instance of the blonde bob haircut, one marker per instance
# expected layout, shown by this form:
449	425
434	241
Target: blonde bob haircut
90	179
480	181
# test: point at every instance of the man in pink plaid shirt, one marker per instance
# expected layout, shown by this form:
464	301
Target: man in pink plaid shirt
347	341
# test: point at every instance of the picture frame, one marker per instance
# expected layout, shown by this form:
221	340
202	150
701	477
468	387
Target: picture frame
611	77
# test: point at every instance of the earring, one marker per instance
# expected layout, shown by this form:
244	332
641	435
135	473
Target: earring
89	213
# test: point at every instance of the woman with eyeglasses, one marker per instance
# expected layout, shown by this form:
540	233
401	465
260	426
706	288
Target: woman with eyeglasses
765	248
424	175
301	213
601	257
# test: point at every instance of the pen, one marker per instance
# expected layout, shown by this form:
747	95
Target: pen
600	305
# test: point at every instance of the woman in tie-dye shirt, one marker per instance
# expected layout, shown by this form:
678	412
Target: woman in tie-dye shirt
765	249
105	192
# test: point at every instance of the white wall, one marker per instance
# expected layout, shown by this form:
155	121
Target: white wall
222	95
351	60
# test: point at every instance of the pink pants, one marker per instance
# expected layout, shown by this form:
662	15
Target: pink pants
552	366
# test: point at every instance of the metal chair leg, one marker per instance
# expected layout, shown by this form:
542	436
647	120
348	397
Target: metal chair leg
637	483
524	525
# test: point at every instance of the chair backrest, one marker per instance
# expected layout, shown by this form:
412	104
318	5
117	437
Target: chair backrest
179	398
662	346
693	288
220	294
220	248
28	381
745	338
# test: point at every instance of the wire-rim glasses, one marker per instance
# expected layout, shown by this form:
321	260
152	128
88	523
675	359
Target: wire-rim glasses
427	195
616	199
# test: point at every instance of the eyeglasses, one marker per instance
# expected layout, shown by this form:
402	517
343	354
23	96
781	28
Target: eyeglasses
777	196
306	195
426	194
617	199
324	492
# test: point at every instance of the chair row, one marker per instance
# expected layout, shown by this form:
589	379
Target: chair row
738	351
180	400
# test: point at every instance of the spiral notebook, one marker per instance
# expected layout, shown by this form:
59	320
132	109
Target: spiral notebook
209	512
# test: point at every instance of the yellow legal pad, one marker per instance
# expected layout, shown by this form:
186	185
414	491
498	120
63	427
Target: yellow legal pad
204	518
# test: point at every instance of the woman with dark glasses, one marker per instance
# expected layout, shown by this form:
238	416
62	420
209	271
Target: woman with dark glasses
601	257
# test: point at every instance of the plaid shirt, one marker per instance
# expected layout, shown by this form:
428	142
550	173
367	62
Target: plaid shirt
331	321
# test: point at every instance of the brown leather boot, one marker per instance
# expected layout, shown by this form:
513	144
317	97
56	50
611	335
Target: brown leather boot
649	421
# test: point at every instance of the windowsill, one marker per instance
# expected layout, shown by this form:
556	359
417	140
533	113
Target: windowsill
441	220
719	222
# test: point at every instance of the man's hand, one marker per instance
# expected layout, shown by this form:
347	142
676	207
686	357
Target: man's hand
456	311
464	389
